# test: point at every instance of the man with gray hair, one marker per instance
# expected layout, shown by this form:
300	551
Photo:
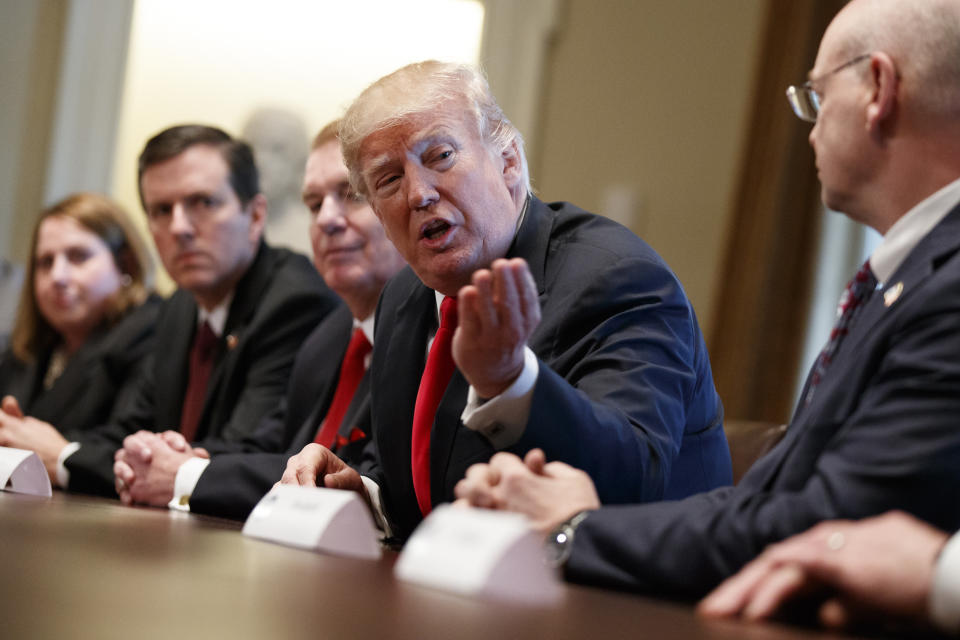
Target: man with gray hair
557	328
876	427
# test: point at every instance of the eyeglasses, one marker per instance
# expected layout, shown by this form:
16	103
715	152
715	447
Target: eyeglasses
804	98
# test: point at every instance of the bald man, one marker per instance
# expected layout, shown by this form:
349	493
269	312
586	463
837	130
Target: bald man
877	424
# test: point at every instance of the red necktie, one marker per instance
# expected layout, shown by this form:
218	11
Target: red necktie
856	294
351	371
201	364
436	376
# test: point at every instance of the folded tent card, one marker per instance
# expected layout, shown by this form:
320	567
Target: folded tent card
21	471
480	553
326	520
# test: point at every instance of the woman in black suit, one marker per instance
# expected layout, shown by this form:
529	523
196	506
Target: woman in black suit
85	319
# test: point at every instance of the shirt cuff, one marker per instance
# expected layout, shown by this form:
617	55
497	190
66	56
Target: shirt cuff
188	475
503	419
376	505
63	474
945	591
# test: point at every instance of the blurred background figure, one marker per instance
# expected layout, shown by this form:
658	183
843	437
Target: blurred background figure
85	317
11	279
280	145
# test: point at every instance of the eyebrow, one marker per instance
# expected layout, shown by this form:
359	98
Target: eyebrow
419	140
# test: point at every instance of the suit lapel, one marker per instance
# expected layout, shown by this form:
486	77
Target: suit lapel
174	336
335	349
533	241
359	404
446	428
26	385
57	401
246	298
921	263
404	337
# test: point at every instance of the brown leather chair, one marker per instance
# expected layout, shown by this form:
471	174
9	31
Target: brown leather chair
748	440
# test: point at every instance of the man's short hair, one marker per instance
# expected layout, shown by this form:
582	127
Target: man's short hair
173	141
329	133
419	88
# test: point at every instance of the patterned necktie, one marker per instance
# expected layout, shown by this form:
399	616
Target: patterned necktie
436	377
351	372
201	364
855	295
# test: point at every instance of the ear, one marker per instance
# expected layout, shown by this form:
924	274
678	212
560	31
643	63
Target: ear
885	81
258	217
512	165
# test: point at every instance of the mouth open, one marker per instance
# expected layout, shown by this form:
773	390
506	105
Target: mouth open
434	229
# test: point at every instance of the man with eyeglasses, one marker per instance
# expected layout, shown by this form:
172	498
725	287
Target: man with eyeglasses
878	424
227	338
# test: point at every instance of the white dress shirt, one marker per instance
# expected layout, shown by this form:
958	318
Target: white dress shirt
216	318
188	475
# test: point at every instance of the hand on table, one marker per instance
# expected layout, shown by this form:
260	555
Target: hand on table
145	469
882	565
547	493
25	432
317	466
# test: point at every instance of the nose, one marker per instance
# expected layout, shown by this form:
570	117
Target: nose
60	270
811	137
330	218
420	190
180	224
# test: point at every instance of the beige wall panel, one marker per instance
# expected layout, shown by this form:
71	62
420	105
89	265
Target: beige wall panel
644	114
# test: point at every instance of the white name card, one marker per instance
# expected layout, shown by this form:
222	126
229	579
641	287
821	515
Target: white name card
483	553
22	472
328	520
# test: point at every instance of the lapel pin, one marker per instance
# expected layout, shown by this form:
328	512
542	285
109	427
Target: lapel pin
232	341
890	295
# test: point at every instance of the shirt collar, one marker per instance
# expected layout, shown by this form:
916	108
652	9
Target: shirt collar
216	318
439	300
907	232
366	325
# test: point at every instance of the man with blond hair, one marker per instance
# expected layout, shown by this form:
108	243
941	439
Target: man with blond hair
518	324
876	425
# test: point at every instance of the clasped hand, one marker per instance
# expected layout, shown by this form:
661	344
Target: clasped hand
547	493
145	469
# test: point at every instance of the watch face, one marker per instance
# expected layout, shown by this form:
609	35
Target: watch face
560	540
558	545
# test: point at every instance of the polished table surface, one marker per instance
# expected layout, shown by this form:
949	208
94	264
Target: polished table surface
80	567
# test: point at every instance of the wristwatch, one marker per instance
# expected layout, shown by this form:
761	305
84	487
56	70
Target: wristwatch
560	539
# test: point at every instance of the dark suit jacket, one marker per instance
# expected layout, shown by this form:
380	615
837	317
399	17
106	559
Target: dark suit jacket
624	391
84	394
275	305
238	476
882	432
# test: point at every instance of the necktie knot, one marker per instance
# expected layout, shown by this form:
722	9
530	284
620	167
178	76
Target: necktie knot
863	282
448	313
359	346
205	341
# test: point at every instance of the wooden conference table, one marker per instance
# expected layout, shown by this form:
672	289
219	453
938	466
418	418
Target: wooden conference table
81	567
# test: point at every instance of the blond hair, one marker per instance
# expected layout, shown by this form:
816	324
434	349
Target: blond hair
418	88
